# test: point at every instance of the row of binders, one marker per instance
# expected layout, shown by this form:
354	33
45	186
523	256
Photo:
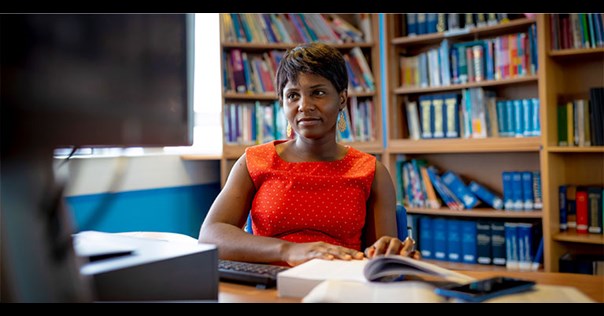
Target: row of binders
475	113
581	208
515	245
577	30
580	120
421	185
255	72
451	23
258	122
295	28
502	57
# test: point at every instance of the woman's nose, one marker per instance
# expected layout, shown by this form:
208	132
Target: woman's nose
306	104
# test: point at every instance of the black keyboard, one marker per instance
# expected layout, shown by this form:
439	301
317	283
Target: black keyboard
258	274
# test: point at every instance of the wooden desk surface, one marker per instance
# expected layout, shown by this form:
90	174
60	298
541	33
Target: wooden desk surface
592	286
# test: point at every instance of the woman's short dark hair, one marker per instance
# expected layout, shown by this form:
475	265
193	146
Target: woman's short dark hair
312	58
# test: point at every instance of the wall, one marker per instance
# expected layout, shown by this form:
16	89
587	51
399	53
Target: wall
145	193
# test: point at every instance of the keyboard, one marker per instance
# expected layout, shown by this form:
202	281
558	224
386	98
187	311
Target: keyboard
258	274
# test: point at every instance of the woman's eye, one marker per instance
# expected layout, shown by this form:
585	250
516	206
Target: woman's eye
319	92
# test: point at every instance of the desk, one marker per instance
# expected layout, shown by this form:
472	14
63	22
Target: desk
592	286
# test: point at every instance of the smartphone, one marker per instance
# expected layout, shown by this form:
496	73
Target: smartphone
480	290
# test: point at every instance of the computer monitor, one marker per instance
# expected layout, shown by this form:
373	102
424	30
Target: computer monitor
111	80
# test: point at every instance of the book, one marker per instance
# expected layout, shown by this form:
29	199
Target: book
298	281
486	195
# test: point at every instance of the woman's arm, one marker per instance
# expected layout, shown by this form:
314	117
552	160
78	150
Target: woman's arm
380	224
228	214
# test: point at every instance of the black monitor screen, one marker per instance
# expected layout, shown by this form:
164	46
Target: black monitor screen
97	79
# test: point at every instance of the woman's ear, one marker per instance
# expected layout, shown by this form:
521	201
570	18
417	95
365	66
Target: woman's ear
343	98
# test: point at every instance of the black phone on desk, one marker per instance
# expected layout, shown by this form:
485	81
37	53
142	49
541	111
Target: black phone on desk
481	290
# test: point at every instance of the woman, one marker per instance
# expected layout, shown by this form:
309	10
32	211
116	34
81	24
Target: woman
309	197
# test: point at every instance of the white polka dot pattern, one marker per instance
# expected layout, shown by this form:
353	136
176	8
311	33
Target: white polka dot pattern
310	201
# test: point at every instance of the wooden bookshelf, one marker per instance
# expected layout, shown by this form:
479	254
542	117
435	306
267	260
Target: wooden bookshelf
231	152
483	160
566	72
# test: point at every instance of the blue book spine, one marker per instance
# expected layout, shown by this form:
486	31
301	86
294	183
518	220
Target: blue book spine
422	27
468	241
538	258
501	119
411	24
508	201
525	245
456	185
454	242
535	116
527	190
509	115
486	196
562	207
511	246
527	111
439	230
431	21
401	222
518	115
498	250
517	190
483	242
426	237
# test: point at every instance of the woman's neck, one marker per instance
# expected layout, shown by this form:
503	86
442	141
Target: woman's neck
315	150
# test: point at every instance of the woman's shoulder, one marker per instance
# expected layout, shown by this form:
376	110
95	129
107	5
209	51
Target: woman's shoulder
261	149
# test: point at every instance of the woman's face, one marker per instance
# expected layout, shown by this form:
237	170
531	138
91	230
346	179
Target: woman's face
312	106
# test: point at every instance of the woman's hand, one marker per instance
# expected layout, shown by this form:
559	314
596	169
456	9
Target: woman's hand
298	253
387	245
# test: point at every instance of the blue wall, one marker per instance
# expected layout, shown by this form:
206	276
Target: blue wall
179	209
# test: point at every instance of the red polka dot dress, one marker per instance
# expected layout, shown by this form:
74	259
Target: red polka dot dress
310	201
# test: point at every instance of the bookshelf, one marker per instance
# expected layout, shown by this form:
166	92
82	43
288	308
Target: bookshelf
560	72
566	72
370	49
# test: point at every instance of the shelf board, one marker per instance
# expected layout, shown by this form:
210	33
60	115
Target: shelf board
478	212
455	145
575	149
284	46
200	157
374	147
487	83
270	96
576	52
435	38
572	236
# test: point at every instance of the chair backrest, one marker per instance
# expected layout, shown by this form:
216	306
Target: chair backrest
248	224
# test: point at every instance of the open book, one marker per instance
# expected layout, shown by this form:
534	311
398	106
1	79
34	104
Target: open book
300	280
395	267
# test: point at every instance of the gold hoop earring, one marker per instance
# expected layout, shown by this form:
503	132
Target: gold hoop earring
341	123
288	131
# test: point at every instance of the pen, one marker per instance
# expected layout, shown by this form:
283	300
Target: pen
409	231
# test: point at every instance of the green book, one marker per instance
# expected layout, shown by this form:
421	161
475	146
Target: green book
562	130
